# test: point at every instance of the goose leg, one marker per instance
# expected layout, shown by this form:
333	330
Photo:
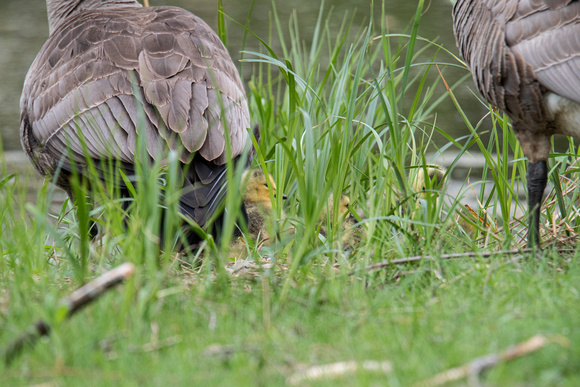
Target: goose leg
537	180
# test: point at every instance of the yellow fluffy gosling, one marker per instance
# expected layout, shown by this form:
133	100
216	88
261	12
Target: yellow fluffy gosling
257	202
436	178
350	235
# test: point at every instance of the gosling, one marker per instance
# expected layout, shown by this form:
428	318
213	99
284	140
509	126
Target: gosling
436	178
351	235
259	211
258	202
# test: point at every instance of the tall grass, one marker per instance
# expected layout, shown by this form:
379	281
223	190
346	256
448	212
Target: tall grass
353	117
353	113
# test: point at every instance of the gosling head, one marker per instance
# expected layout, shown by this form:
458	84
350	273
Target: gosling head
256	191
436	176
351	234
328	210
342	206
256	197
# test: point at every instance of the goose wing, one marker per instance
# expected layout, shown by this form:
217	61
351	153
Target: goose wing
106	76
510	44
547	36
500	74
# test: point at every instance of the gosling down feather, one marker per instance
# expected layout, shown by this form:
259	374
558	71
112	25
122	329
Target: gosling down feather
435	177
258	207
351	233
257	202
327	213
525	59
112	71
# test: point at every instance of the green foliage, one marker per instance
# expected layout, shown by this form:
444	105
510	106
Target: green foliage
353	113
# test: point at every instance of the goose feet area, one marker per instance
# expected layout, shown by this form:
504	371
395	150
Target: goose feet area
537	180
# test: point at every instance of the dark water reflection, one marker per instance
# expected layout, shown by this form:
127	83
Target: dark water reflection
23	30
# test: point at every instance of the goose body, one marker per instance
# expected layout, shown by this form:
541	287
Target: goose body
111	71
525	59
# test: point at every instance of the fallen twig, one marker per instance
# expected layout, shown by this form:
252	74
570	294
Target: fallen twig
487	254
445	256
226	352
168	342
80	298
475	367
338	369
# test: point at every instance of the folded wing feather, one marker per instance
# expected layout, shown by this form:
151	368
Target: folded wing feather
101	68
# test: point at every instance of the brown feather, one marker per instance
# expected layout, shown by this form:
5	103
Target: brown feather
106	61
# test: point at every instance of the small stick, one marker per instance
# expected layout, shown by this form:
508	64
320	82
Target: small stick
146	3
416	258
334	370
76	301
483	363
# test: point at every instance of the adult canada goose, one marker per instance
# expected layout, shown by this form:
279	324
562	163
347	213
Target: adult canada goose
525	59
112	70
